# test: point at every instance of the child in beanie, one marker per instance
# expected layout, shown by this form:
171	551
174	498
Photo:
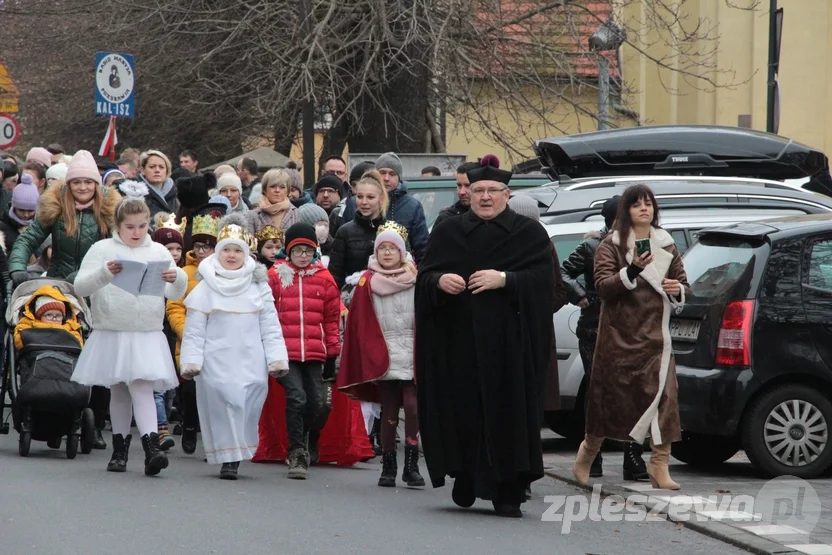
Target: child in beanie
47	308
377	362
309	307
24	200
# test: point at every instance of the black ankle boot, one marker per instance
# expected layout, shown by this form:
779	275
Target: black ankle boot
229	470
155	460
634	467
389	469
410	474
596	470
189	440
463	493
121	446
98	439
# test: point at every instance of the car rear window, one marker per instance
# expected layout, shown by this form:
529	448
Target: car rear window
717	266
434	201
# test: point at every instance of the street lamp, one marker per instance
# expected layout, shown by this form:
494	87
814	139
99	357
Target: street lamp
608	37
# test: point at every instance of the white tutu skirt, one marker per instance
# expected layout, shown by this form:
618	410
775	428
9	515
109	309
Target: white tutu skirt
112	357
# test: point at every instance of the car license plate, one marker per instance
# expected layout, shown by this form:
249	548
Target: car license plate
684	330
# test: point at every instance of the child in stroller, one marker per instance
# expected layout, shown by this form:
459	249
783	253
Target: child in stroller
46	405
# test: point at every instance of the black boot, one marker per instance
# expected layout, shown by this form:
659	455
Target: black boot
463	493
595	471
189	440
155	460
121	445
634	467
389	468
229	470
410	474
98	440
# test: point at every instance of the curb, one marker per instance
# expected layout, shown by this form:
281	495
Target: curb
717	530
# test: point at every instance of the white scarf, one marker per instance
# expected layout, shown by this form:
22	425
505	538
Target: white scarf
228	283
227	290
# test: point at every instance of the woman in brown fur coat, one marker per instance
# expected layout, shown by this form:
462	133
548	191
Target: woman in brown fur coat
75	215
632	392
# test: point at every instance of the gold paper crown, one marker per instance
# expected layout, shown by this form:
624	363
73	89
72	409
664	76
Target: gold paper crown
394	227
269	232
233	231
170	223
205	225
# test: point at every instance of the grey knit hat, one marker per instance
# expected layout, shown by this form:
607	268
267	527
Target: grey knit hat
525	206
310	213
390	161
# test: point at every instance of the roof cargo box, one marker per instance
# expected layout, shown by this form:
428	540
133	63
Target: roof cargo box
679	150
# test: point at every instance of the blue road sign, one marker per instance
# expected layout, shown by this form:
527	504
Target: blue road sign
115	85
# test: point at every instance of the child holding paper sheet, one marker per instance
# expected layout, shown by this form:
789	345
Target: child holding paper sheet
127	350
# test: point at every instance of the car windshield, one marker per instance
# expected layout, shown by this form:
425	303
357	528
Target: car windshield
715	266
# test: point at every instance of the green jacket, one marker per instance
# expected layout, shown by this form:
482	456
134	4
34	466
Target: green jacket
67	252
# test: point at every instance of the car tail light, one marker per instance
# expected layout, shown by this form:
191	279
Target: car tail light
733	347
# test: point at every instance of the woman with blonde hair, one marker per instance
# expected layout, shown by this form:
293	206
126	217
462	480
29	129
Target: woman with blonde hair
274	207
156	170
355	241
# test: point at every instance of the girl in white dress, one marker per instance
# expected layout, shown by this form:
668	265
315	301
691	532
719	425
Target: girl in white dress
127	350
232	343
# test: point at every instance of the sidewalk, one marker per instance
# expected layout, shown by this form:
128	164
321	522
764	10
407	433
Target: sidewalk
735	477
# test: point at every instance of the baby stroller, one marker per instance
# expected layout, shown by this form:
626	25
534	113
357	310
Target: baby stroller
45	404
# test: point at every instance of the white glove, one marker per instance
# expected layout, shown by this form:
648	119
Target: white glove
190	371
279	369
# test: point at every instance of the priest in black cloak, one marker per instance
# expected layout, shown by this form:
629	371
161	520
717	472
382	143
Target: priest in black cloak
484	298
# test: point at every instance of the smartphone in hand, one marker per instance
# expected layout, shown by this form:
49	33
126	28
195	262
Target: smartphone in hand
642	247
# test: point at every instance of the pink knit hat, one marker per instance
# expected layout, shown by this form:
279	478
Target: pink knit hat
83	166
40	155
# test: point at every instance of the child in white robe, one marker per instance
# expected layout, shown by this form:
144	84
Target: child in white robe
232	343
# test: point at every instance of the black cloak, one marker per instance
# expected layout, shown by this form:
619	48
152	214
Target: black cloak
482	360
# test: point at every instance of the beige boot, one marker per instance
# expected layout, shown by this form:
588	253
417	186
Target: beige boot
657	467
586	454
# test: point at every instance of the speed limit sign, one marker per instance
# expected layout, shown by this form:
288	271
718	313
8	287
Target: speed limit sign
9	131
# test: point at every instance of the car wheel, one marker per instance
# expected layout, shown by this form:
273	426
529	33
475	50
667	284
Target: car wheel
786	432
703	450
568	424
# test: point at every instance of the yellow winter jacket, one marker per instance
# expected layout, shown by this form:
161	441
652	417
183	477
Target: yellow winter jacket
28	321
175	310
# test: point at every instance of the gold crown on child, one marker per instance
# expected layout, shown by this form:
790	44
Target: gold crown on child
170	223
205	225
233	231
394	227
268	233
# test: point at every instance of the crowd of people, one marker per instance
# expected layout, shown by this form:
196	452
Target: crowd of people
295	323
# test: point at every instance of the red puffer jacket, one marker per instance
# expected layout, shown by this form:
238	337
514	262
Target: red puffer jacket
308	305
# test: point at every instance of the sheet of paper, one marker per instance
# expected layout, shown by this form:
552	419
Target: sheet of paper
131	275
153	284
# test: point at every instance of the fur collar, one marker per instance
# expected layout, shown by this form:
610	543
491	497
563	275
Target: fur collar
50	206
657	270
286	272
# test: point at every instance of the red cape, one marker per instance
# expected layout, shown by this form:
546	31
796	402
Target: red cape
364	356
343	441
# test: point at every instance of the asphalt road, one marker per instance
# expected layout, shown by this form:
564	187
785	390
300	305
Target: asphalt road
51	505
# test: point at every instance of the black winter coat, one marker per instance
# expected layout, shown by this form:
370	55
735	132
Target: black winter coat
352	247
10	229
455	209
582	263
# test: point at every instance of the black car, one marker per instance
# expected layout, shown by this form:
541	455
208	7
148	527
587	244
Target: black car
753	346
